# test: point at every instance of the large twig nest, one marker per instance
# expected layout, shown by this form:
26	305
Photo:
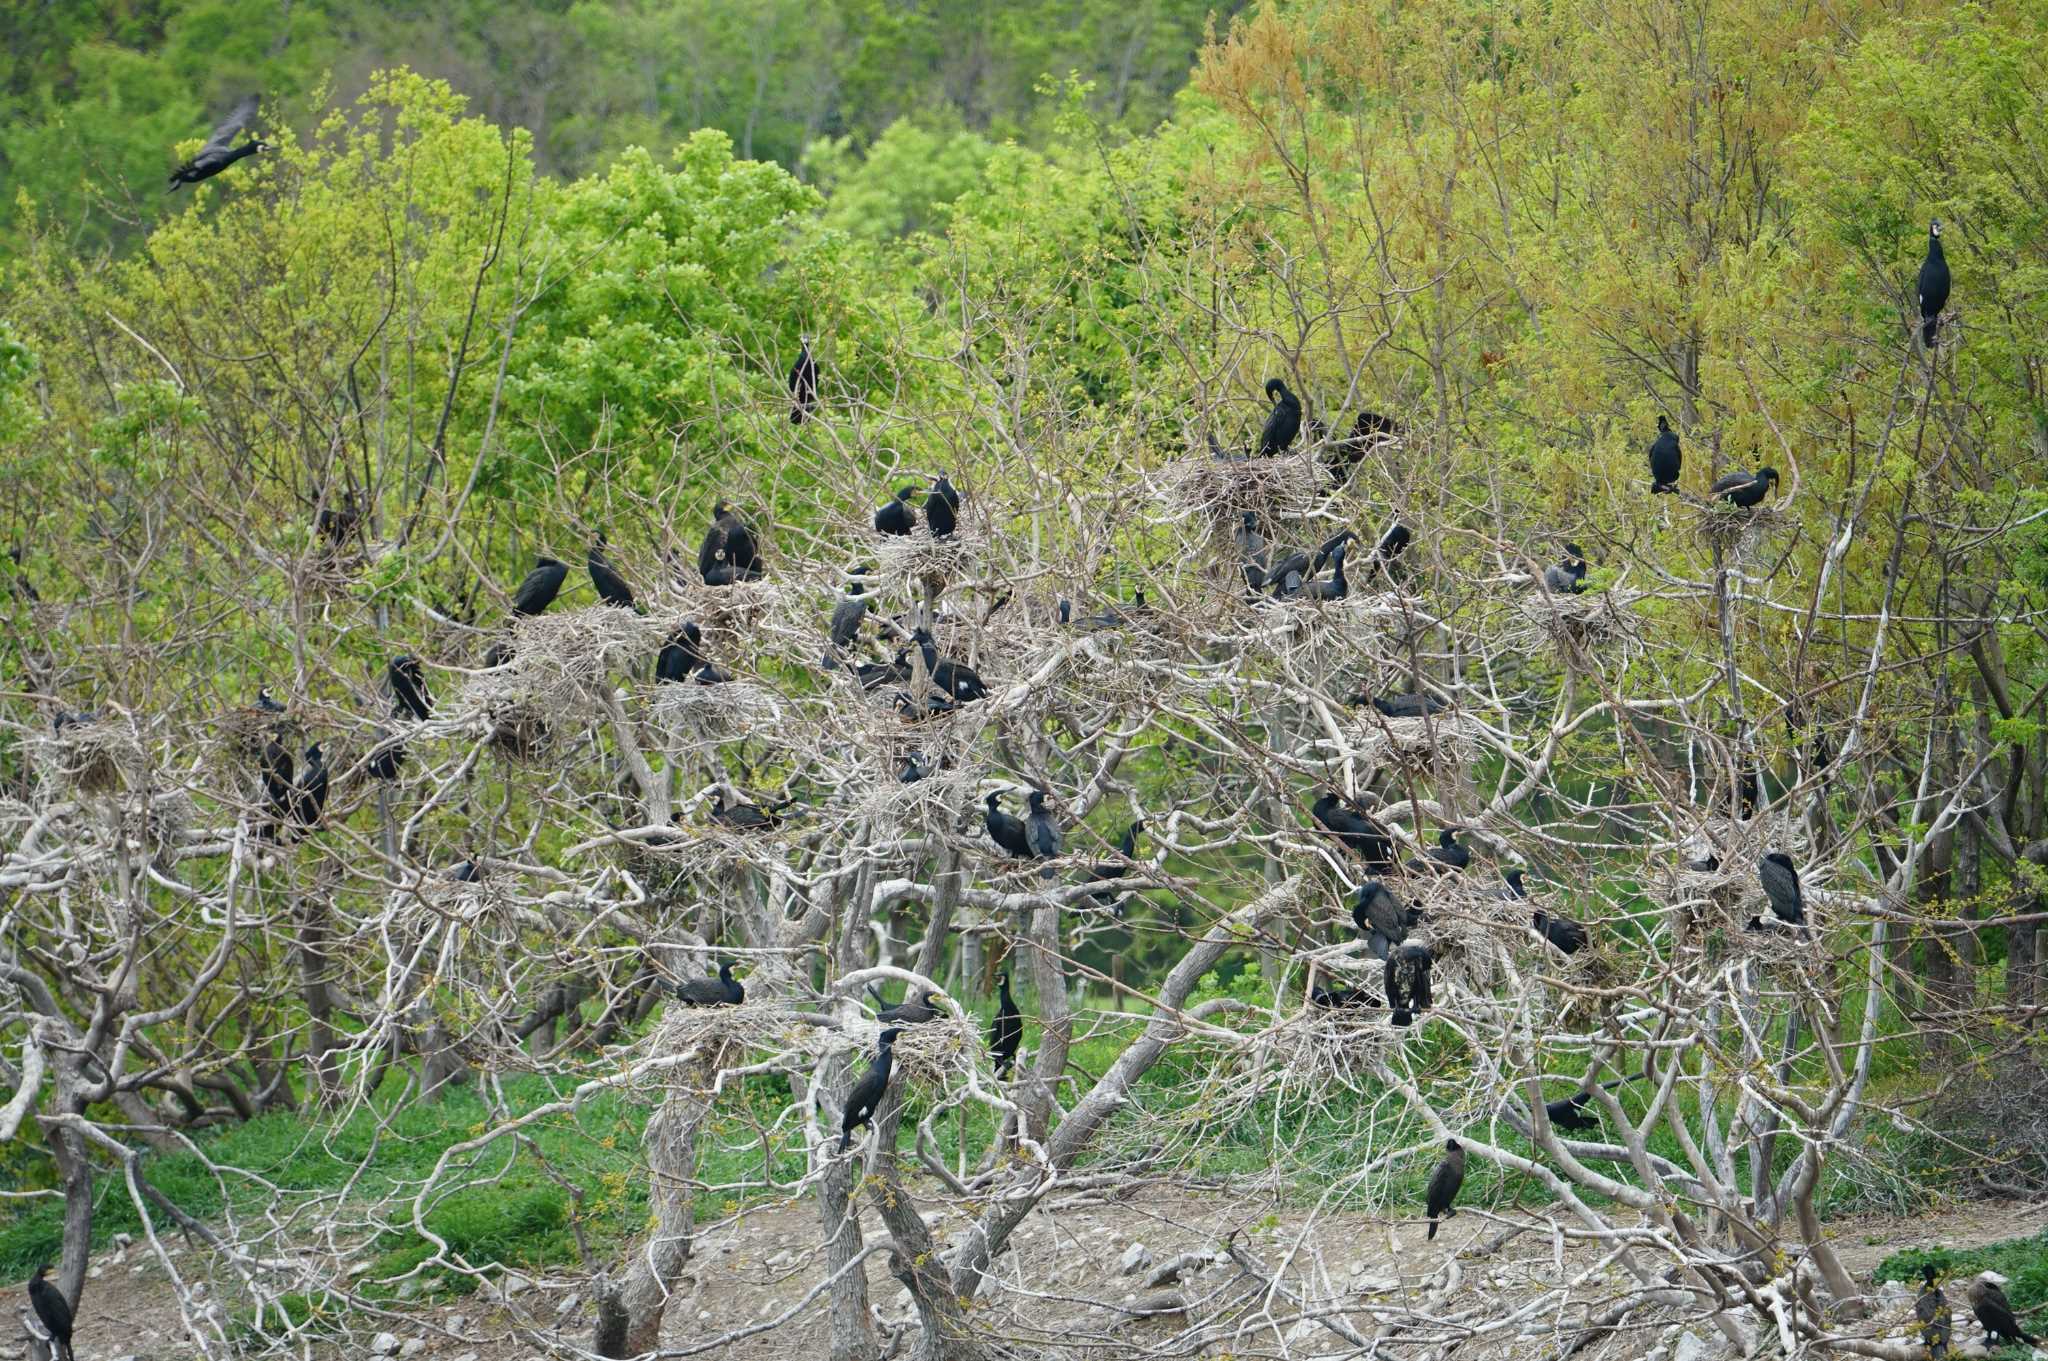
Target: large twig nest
689	715
914	561
1204	485
560	662
1590	624
94	757
932	1056
729	615
1732	529
1437	744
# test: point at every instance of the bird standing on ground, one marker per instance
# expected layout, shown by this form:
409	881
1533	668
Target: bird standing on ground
1283	422
1567	577
1666	460
728	553
897	516
1381	918
1407	983
803	383
722	991
1781	885
1937	1321
1007	1034
867	1093
1004	829
220	152
540	586
1934	282
53	1310
1041	833
1994	1311
1746	490
611	587
942	508
1444	1184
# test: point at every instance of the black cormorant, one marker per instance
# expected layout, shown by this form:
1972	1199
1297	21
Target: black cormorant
1994	1311
911	1011
803	384
898	516
1444	1184
53	1310
540	586
1041	833
408	681
722	991
1007	1034
611	587
1003	829
1562	932
1567	577
1781	885
728	553
1745	489
867	1093
1934	283
1360	834
1283	423
1381	918
220	152
1666	459
1937	1321
847	617
942	508
1407	982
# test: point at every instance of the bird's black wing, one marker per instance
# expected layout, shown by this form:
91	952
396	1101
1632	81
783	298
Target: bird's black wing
1730	482
225	131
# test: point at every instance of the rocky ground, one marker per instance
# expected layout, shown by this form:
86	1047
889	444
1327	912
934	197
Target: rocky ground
1076	1274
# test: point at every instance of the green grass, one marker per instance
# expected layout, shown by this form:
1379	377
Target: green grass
2023	1261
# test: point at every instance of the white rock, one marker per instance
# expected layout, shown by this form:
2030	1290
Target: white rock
1690	1347
384	1344
124	1240
1894	1292
456	1323
1371	1283
464	1356
781	1259
1136	1258
413	1346
568	1305
513	1284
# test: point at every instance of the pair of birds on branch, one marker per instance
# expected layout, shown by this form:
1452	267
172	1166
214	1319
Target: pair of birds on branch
898	518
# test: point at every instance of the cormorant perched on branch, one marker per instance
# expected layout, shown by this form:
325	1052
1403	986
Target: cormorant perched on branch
1388	550
276	767
1514	889
1007	1034
722	991
1666	459
942	508
1110	870
1381	918
1360	834
220	152
1444	1184
1041	833
867	1093
897	516
1744	489
910	1011
408	683
1781	885
1448	852
1994	1311
54	1312
847	617
1003	829
1937	1321
309	796
955	680
1567	577
728	553
540	586
1283	423
1407	981
1344	455
803	383
1562	932
1934	283
1401	706
682	659
611	587
747	817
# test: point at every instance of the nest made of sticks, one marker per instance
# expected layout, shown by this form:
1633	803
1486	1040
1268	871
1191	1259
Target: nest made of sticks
95	757
1224	488
931	1056
913	561
729	616
1732	529
1438	744
560	661
689	715
1589	624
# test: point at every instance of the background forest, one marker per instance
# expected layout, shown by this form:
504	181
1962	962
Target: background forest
520	282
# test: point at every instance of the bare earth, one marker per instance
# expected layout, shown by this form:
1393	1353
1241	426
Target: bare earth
742	1275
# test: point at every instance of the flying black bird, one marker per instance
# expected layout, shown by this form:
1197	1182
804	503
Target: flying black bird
1781	885
847	617
942	508
1666	459
1108	871
1387	552
1283	423
728	553
309	797
1744	489
1994	1311
54	1312
746	817
1444	1184
1401	706
220	152
1041	833
1003	829
1562	932
866	1095
1007	1033
1567	577
1934	283
1361	835
1407	982
909	1012
540	586
408	681
1381	918
1937	1321
803	384
898	517
722	991
611	587
955	680
1514	888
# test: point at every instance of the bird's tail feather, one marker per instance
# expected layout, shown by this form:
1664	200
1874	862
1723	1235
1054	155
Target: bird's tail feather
1928	328
1432	1229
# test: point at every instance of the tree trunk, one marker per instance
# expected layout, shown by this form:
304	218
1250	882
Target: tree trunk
853	1331
314	930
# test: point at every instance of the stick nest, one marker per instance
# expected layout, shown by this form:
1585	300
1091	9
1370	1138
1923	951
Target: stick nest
1225	488
559	662
1440	744
1733	530
93	758
917	560
689	715
1591	624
